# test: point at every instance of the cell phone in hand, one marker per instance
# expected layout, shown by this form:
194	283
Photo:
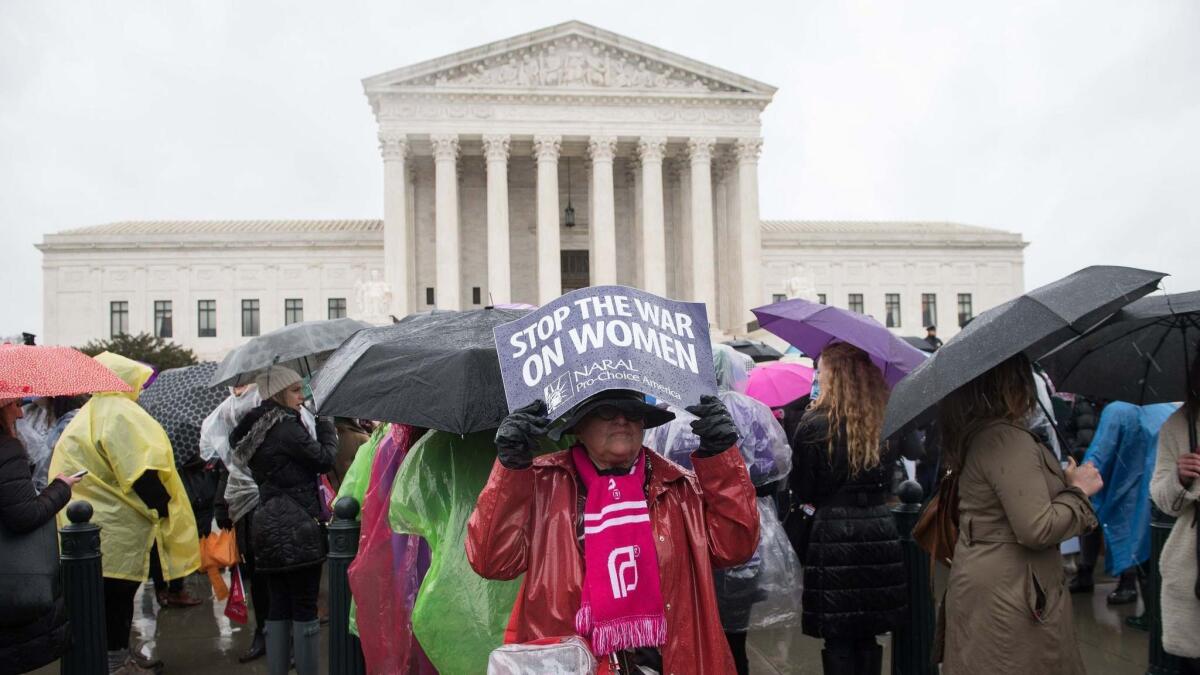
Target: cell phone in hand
80	474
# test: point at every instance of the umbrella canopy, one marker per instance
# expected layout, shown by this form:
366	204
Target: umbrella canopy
27	370
1034	324
436	370
779	383
812	326
180	399
756	349
294	345
919	343
1142	355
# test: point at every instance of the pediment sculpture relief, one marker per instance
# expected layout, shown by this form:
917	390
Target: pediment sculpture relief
573	63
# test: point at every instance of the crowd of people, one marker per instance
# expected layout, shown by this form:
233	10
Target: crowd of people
662	536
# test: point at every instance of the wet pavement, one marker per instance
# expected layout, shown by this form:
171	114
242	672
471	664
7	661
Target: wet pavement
202	640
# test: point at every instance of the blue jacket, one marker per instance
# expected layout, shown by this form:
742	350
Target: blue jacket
1123	450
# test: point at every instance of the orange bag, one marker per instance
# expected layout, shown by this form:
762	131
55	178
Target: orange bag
218	551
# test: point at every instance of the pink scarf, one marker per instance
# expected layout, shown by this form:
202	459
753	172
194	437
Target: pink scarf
621	605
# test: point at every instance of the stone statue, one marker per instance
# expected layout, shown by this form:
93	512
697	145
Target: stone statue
801	285
374	299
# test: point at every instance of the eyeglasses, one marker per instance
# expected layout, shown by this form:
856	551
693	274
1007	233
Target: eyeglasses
609	413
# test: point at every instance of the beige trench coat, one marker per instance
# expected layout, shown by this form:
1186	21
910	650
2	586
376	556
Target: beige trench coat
1180	608
1007	609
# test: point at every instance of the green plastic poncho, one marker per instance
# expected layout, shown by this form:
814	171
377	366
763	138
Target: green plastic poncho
459	617
117	441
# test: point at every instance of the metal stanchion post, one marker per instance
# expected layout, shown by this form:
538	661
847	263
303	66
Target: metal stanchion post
345	651
83	589
912	643
1161	663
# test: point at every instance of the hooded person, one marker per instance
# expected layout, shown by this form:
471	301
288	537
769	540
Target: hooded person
768	583
287	533
617	543
137	496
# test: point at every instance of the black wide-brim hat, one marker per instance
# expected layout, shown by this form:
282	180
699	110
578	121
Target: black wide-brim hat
621	399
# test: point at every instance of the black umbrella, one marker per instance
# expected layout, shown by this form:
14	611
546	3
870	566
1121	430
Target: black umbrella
756	349
1142	355
180	399
919	342
299	346
1034	324
436	370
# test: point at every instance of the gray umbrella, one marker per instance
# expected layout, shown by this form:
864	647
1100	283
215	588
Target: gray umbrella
1034	324
300	346
1141	355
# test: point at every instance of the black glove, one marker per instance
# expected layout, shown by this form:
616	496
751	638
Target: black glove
714	426
225	523
517	436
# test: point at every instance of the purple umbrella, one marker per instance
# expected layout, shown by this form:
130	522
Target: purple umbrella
811	326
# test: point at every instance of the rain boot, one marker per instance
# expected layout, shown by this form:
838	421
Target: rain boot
307	642
837	660
1126	591
868	660
257	649
279	637
1083	582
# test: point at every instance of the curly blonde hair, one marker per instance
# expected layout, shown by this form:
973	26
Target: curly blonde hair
852	393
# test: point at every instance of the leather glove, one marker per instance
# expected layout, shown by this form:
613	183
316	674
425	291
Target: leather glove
714	426
225	523
517	436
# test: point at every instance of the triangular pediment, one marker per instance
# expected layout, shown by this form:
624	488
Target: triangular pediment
569	56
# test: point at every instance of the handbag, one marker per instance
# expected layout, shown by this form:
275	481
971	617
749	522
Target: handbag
936	529
566	655
30	582
236	608
217	551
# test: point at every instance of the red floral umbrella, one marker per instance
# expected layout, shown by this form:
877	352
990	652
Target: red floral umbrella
52	371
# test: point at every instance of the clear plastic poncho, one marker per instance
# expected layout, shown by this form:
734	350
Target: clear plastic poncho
117	441
765	591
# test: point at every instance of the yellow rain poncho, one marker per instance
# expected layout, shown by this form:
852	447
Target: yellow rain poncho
117	441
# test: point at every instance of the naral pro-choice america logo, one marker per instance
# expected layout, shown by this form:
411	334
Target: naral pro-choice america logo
559	391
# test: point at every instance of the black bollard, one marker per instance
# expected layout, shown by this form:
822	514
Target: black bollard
345	651
912	643
83	589
1161	663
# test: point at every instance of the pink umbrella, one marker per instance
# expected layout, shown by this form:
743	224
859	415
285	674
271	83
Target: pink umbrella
778	383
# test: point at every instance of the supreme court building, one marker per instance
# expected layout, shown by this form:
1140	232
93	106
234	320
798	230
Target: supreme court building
516	171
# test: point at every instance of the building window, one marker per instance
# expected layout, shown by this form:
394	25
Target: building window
250	318
337	308
965	310
855	303
293	311
891	306
476	295
928	309
118	318
575	269
206	318
821	298
778	297
162	319
429	295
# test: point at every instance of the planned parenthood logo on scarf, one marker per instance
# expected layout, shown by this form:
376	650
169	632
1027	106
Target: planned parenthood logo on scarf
606	337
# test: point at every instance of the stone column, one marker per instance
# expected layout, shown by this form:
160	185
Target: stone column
653	244
633	179
683	226
725	287
549	254
602	231
704	286
396	225
750	243
447	285
495	149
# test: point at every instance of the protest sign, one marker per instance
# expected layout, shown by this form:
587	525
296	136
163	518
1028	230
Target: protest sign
606	337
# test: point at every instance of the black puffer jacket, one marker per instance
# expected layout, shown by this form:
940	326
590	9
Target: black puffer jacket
854	581
286	463
28	647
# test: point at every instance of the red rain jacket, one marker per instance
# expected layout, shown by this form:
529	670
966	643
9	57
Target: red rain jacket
524	522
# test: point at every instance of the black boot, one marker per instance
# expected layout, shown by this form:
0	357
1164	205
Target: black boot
837	662
1082	583
869	660
258	648
1126	592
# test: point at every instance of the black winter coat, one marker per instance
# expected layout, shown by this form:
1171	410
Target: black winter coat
854	580
286	463
23	510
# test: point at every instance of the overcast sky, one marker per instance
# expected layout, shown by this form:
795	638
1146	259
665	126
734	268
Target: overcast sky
1076	124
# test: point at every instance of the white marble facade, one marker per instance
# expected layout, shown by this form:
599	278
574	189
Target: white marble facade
478	148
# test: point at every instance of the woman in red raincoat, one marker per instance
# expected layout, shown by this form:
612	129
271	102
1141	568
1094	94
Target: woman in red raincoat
653	603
